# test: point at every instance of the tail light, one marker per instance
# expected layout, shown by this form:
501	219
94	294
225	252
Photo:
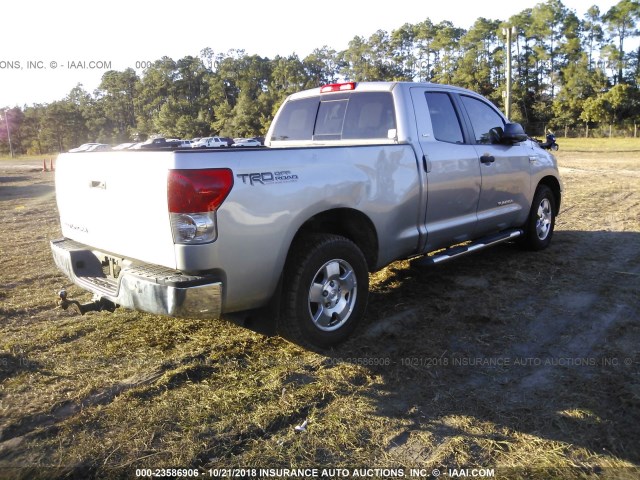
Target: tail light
193	197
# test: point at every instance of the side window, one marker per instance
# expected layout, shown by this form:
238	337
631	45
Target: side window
296	120
444	119
483	118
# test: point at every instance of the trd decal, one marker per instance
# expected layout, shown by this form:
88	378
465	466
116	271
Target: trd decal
267	178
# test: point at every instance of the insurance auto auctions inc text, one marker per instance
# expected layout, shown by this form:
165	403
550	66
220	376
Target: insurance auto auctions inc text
356	473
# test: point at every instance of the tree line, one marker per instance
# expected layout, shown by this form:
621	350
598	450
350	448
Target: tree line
568	72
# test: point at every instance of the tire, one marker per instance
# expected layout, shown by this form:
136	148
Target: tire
325	291
538	230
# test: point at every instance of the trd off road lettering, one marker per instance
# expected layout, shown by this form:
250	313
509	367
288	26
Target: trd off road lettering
455	171
265	178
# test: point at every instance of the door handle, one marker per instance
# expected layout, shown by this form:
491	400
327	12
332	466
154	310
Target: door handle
486	158
426	164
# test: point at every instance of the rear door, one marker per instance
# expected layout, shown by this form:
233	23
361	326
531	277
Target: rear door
505	170
450	167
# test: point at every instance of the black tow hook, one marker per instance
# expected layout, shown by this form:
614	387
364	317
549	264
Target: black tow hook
98	305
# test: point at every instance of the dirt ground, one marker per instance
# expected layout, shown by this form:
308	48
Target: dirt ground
508	364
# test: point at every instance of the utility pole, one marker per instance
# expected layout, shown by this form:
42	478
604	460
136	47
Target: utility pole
6	121
508	32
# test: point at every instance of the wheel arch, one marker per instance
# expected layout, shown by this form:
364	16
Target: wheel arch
554	184
346	222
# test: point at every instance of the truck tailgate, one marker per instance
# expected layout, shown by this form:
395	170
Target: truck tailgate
117	202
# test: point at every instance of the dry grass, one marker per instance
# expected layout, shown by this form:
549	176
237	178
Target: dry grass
608	145
525	363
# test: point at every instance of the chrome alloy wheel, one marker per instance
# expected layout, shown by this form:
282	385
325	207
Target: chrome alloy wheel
545	217
332	295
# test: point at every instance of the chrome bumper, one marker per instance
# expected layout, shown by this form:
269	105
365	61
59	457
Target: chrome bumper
143	287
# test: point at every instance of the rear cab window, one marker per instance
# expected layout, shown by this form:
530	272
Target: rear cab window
341	116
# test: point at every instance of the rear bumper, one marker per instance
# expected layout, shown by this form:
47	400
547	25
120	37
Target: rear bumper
143	287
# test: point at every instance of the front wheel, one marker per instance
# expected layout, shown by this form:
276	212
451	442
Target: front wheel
326	287
542	218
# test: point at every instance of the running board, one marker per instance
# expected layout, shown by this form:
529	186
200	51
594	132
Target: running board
479	244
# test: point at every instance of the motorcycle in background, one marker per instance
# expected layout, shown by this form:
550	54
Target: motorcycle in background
549	143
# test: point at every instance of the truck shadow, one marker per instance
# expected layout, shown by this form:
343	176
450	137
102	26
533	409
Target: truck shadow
510	343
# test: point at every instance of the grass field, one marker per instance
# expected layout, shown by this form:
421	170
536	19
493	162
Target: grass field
524	363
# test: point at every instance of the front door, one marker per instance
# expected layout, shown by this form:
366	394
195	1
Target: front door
505	170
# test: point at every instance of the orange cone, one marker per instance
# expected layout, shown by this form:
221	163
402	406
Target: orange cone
51	165
44	165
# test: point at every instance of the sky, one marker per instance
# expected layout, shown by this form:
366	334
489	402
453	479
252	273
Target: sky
48	47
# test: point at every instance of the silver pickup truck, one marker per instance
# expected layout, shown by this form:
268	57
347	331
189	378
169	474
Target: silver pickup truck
353	177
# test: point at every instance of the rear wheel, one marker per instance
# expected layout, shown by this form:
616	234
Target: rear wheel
326	287
542	218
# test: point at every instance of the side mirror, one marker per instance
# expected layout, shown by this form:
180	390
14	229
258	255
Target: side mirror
513	133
